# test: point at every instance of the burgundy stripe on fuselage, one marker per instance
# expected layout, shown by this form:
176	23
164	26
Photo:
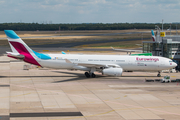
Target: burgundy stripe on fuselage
23	51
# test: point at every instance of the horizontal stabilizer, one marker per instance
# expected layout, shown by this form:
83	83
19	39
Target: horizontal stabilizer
15	55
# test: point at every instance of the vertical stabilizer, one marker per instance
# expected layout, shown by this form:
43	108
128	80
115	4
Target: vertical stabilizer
16	43
18	46
153	36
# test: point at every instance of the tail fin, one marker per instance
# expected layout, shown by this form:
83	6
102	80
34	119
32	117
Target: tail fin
16	43
19	47
153	35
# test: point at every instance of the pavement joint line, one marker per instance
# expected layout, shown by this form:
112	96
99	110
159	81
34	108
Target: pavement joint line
35	107
22	80
87	115
16	95
102	100
4	109
107	105
68	118
98	113
104	113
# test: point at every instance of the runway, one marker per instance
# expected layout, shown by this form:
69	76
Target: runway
51	94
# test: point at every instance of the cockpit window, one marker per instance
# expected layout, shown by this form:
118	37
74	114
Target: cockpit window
170	61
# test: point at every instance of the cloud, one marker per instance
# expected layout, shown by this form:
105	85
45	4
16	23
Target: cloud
1	2
77	11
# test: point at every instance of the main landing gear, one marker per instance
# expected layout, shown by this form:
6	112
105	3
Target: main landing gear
159	74
88	75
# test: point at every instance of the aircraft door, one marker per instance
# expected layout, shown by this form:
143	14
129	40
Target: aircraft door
160	64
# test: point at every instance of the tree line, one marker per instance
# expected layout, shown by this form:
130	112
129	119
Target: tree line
83	26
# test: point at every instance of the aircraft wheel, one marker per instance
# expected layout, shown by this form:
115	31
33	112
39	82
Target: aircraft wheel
159	75
93	75
87	74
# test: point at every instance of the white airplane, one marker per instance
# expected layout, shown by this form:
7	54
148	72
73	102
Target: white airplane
112	65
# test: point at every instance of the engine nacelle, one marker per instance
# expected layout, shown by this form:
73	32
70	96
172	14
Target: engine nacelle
113	71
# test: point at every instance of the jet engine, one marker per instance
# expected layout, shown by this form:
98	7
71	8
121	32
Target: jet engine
112	71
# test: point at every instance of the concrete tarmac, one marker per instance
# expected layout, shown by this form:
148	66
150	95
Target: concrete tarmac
48	94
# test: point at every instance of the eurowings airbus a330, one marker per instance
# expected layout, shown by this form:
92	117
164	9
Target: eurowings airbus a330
112	65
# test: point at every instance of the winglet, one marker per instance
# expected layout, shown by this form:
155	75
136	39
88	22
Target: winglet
63	52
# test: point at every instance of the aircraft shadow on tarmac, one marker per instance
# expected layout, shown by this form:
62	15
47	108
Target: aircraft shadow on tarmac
100	76
82	78
77	74
29	76
76	77
138	76
72	78
79	77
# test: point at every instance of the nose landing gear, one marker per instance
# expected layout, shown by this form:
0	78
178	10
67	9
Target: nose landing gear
159	74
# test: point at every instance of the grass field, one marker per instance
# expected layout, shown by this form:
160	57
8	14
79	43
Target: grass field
58	37
123	44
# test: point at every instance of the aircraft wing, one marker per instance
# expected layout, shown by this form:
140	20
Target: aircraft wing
95	65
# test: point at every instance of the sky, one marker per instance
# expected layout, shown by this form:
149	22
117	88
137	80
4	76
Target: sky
89	11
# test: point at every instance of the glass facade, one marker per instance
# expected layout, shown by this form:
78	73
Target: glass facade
168	50
147	47
168	46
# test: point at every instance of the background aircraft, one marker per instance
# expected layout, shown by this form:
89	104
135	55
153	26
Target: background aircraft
153	36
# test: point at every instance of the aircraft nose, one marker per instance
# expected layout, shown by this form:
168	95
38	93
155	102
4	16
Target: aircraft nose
174	64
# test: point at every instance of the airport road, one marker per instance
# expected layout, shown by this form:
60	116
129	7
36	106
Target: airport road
48	94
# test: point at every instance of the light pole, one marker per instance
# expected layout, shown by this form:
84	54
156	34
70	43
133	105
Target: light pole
176	28
162	25
170	28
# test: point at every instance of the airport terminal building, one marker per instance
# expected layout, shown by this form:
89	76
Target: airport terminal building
165	46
